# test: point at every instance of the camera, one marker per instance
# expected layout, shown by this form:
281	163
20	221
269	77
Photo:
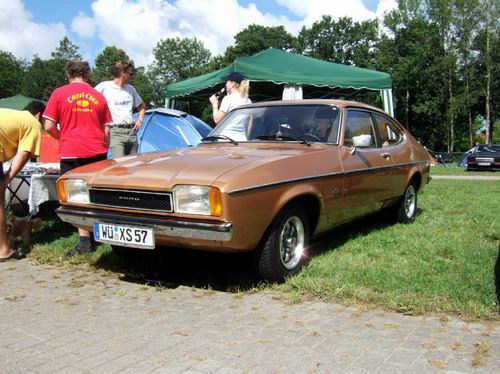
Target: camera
220	93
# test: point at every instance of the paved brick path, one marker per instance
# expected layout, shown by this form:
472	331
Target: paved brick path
72	320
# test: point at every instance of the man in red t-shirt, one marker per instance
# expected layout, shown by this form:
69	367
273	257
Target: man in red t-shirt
84	118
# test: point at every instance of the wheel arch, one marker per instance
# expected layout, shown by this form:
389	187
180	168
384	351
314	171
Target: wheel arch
311	206
308	201
416	178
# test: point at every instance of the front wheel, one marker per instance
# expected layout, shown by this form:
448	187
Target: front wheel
282	253
407	205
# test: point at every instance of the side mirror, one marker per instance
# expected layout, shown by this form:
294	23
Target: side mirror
362	141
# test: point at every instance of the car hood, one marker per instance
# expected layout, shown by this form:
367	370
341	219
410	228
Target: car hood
200	165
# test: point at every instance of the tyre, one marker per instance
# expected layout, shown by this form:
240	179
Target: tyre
406	208
282	251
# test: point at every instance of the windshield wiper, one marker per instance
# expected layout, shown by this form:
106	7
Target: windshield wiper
215	137
284	137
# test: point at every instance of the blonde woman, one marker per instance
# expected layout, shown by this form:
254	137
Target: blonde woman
237	88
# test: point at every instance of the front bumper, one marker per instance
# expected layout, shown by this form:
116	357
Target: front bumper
168	227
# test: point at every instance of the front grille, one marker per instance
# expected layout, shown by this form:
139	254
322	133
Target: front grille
143	200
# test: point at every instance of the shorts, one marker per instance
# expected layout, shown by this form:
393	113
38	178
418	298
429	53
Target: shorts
68	164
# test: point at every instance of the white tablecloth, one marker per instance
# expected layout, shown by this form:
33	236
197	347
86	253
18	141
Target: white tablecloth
42	186
42	189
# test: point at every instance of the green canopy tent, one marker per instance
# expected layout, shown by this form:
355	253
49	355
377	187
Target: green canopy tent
16	102
271	70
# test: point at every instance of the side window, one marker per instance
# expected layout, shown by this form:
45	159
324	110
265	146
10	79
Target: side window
323	126
389	134
359	130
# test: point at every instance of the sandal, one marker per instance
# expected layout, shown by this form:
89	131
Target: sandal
15	255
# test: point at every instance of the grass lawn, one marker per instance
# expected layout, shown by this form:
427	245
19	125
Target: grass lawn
453	169
445	262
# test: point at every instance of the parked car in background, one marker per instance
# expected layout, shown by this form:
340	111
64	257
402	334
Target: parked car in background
268	179
482	157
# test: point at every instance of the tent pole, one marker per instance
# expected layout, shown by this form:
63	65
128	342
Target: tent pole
169	103
388	101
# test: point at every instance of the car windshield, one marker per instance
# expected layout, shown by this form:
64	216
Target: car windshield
488	148
304	123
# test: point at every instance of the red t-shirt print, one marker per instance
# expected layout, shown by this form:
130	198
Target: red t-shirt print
81	113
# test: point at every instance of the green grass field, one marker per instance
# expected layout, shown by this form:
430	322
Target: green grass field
444	262
453	169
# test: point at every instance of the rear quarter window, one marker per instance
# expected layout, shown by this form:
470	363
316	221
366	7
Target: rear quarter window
389	134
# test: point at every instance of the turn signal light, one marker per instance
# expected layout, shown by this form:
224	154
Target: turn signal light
215	202
61	191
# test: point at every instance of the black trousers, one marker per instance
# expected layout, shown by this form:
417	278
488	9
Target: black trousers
68	164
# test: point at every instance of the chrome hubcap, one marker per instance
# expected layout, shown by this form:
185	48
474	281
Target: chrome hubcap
291	243
410	201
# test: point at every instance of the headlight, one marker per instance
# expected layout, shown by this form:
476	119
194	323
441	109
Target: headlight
73	191
197	200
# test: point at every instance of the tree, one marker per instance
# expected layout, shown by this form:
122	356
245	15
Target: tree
11	74
466	15
143	85
104	62
342	41
440	14
176	59
66	50
411	52
43	76
488	48
257	38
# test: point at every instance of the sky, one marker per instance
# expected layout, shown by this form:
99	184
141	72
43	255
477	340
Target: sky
29	27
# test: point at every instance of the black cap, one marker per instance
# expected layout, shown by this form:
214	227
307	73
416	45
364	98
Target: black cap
234	77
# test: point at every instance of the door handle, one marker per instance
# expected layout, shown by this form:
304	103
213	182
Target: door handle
385	155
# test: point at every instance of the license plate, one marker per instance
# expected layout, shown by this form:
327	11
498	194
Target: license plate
126	236
484	163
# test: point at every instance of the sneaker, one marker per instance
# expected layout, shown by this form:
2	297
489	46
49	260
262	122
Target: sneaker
79	250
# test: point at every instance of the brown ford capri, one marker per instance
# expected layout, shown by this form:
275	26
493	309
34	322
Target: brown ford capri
268	179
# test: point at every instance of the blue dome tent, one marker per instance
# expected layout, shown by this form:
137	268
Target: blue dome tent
165	129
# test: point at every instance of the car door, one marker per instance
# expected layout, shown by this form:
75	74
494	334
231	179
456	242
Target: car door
392	141
368	170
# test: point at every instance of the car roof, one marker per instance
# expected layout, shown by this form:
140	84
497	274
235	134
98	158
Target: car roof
339	103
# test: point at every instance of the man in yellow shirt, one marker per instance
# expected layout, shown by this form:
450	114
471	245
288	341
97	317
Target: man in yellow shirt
20	133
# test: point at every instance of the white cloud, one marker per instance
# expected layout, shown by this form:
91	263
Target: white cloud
136	26
313	10
297	7
83	26
385	6
22	37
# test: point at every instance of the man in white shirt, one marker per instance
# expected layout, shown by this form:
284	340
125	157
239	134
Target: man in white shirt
122	98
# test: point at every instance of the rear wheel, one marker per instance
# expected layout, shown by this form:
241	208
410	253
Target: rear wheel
281	254
406	209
